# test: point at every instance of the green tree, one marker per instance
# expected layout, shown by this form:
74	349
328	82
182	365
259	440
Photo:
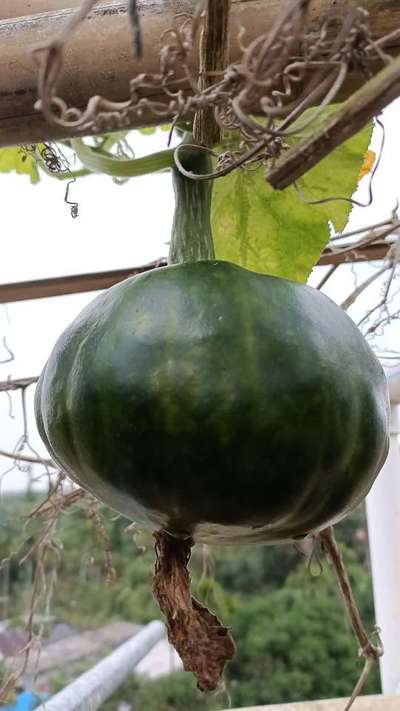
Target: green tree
295	643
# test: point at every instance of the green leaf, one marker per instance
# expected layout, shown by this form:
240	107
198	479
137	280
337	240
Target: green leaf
19	160
276	232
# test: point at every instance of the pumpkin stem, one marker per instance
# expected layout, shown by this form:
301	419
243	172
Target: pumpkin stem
191	238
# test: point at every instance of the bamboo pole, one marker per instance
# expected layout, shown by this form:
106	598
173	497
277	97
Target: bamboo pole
99	58
20	8
10	9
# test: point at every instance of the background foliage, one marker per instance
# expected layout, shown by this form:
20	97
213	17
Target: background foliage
293	641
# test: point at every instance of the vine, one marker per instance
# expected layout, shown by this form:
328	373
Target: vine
261	96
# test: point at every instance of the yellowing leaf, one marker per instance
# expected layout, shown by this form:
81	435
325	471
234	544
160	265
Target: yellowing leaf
17	159
369	160
277	232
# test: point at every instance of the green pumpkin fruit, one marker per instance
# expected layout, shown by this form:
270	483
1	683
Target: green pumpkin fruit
216	403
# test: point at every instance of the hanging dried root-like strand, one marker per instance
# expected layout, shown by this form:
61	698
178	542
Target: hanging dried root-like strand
369	651
203	644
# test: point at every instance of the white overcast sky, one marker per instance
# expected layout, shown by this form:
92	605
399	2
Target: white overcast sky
118	226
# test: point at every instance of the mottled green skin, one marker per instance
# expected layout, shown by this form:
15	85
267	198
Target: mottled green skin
218	403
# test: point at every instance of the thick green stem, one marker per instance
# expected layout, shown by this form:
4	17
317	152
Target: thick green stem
121	168
191	238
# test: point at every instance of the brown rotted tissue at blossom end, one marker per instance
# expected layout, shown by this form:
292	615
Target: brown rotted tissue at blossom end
203	644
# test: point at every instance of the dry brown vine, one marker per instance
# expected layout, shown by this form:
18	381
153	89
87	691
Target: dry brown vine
280	75
367	650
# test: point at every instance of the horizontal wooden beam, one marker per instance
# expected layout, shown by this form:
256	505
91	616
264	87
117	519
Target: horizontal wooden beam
75	284
363	703
99	56
79	283
20	384
371	252
21	8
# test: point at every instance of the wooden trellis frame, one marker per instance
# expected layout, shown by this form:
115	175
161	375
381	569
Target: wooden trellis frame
79	283
22	8
99	58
